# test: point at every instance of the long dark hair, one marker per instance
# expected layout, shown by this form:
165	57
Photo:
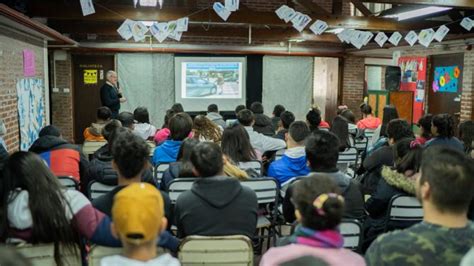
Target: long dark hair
341	130
236	144
389	113
444	124
466	134
26	171
407	155
184	156
313	117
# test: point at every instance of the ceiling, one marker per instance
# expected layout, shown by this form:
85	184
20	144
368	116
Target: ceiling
255	23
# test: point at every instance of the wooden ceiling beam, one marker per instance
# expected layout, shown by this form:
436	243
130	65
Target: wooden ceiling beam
468	4
337	7
312	6
361	7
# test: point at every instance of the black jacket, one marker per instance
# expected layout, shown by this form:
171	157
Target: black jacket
169	175
263	124
372	166
275	121
3	157
110	97
216	206
281	134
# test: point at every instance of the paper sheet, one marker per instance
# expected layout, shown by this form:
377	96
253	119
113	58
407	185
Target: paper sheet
301	22
159	31
357	39
281	11
87	7
467	23
290	13
148	2
381	38
138	31
221	11
367	37
29	66
232	5
395	38
319	27
125	30
426	37
182	24
441	33
411	38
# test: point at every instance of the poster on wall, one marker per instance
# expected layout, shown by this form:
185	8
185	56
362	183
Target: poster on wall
31	110
413	78
446	79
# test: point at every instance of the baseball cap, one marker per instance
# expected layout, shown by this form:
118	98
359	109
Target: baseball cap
137	213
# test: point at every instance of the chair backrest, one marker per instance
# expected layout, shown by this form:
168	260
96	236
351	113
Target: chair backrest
89	147
348	156
152	147
43	254
230	122
361	144
97	189
266	189
405	208
68	182
159	169
216	250
369	133
351	230
256	165
98	252
178	186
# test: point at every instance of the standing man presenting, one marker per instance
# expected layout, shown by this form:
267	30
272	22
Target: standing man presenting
110	94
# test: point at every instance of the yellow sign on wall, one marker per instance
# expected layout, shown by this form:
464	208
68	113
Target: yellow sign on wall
90	76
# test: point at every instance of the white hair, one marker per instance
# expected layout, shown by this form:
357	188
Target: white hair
109	74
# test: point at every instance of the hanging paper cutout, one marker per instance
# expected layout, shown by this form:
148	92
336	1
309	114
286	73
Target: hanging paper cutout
221	11
467	23
426	37
381	38
87	7
411	38
125	30
319	27
395	38
446	79
441	33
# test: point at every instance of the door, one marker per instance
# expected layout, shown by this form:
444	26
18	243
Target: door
89	75
378	100
403	101
445	87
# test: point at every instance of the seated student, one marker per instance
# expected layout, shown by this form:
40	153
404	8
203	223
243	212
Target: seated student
277	111
350	118
238	108
94	132
177	108
106	132
293	162
368	121
163	134
442	128
216	205
263	123
341	130
259	141
313	118
138	219
322	152
397	181
319	210
205	130
379	137
127	120
180	126
445	190
143	128
130	159
286	118
466	134
37	209
63	159
214	116
424	123
397	130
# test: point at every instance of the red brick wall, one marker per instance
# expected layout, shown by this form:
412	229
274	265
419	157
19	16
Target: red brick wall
353	82
11	70
61	102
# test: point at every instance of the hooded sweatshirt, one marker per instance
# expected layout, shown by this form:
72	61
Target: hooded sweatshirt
94	132
167	152
291	164
217	119
263	125
144	130
216	206
369	123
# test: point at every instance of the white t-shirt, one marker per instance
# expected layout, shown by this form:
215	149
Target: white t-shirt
118	260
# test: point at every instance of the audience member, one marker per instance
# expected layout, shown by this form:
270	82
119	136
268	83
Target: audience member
389	113
110	127
368	121
63	159
216	205
177	108
277	111
130	159
143	128
445	189
424	123
239	108
340	128
466	134
442	128
164	133
286	118
397	181
180	126
214	116
232	170
314	120
94	132
138	219
37	209
259	141
127	120
263	123
319	210
350	117
205	130
322	153
182	167
293	162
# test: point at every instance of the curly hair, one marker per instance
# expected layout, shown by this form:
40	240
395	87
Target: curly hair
205	128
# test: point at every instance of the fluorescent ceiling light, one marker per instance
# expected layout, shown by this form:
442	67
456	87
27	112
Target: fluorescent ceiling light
418	12
335	31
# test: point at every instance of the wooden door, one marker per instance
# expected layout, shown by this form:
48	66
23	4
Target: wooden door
445	100
89	75
378	100
403	101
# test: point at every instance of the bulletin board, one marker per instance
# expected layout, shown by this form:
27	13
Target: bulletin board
413	78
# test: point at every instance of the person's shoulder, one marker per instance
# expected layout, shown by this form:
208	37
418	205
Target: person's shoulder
399	241
165	259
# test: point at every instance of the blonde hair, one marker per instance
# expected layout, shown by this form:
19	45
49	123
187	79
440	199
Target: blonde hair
205	128
231	170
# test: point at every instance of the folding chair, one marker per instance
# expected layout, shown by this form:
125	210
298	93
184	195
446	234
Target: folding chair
158	171
98	252
347	159
97	189
89	147
256	165
178	186
369	133
267	192
406	209
152	147
351	230
233	250
69	182
43	254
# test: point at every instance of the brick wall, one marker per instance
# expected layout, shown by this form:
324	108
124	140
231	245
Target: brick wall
61	102
11	70
353	82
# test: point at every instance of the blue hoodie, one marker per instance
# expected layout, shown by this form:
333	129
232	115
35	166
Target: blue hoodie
167	152
290	165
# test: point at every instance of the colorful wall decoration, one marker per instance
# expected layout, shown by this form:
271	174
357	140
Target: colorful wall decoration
31	110
413	79
446	79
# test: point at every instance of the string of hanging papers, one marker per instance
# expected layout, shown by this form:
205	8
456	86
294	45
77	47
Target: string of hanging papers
174	29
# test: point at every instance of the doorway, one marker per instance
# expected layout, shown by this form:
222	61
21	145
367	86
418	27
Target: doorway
326	86
88	76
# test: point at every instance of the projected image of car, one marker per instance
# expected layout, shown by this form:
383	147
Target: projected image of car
199	87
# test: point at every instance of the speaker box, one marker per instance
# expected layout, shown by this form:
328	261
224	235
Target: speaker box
393	75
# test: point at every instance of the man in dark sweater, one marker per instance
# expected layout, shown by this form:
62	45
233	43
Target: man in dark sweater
216	205
110	94
285	120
